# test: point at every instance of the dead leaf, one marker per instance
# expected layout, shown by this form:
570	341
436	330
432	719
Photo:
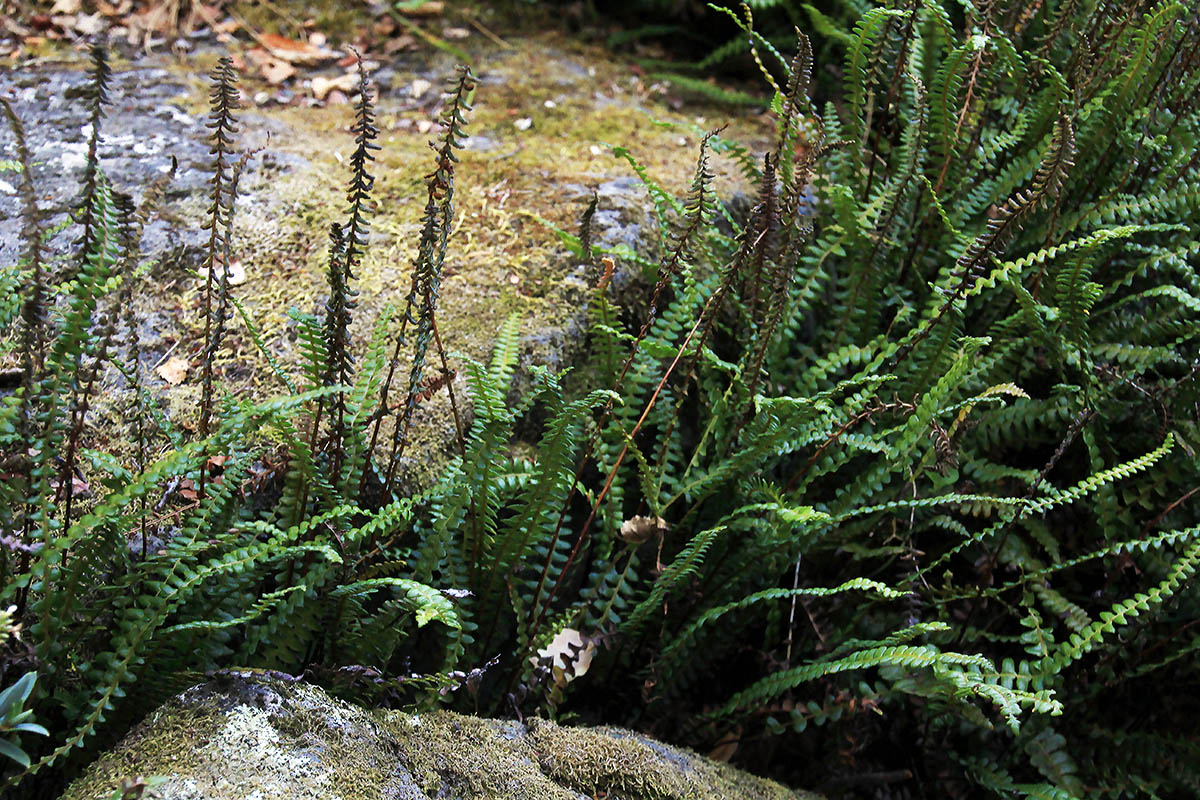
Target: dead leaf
15	28
419	86
109	10
402	42
636	530
322	86
456	33
66	7
236	273
173	370
226	26
605	279
727	745
432	8
259	56
570	656
276	71
295	52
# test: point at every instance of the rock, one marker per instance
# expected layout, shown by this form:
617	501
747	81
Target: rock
512	187
142	130
250	737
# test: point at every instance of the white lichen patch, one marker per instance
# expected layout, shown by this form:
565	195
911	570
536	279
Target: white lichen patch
250	745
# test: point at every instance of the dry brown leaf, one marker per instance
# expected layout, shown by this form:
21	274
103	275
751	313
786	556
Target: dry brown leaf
727	745
259	56
295	52
174	370
109	10
15	28
321	86
609	267
276	71
90	24
402	42
430	9
636	530
226	26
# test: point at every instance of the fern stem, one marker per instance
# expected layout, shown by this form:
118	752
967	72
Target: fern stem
224	99
448	374
608	482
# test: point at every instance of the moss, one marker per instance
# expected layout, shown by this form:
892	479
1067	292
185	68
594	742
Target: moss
163	740
264	739
249	740
502	258
625	764
469	757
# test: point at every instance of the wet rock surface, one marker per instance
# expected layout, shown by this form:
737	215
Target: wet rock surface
145	127
534	155
240	737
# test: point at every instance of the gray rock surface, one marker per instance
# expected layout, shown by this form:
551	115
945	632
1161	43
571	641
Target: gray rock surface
243	737
514	183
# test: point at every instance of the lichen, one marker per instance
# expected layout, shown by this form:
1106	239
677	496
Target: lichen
262	739
251	741
502	257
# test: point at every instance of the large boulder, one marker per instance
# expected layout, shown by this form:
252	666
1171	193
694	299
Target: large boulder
244	737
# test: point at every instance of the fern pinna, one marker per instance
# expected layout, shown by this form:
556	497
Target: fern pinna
965	371
146	580
907	457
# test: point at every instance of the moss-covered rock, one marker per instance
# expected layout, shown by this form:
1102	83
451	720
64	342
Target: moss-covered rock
515	183
242	737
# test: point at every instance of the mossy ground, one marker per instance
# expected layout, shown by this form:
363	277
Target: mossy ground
502	259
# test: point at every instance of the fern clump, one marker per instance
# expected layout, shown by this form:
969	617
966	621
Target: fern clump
939	377
892	478
231	580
